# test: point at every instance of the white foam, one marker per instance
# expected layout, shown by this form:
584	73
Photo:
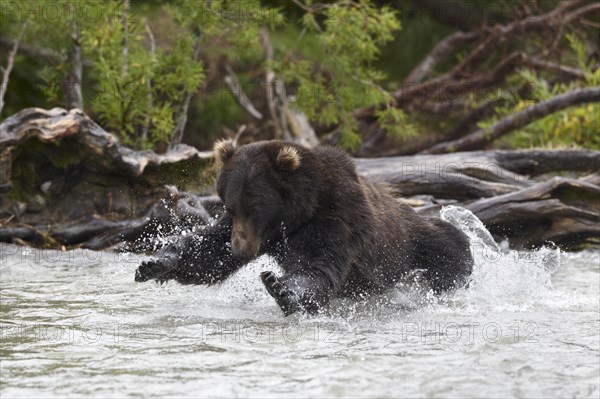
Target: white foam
502	277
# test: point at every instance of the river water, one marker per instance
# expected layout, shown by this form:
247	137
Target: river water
74	324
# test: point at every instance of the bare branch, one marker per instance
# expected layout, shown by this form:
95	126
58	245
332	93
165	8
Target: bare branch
282	108
42	54
9	66
510	123
409	91
125	49
270	81
72	84
152	41
469	122
239	133
441	107
501	34
301	129
150	38
441	50
45	55
539	64
238	93
583	11
180	127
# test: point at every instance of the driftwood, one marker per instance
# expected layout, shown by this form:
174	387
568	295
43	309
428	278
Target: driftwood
67	182
512	205
499	187
511	167
101	148
564	211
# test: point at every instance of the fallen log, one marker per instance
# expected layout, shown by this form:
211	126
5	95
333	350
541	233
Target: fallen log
536	162
498	187
58	167
563	211
507	166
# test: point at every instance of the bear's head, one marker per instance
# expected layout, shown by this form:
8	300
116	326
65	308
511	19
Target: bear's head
268	188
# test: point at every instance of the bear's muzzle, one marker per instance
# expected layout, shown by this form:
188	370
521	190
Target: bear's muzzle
245	242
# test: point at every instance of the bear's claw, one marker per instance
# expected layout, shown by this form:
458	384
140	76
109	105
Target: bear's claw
152	269
287	299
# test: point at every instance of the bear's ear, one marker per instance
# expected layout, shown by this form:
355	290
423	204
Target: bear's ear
223	151
288	158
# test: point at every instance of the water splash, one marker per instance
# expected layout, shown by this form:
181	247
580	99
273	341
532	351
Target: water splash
470	224
502	278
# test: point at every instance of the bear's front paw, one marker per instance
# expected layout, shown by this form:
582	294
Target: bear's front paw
152	269
287	299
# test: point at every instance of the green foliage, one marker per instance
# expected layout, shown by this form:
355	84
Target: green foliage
139	94
227	27
576	126
50	24
153	87
126	93
336	75
396	122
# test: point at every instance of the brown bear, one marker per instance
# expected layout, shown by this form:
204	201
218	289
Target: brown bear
332	232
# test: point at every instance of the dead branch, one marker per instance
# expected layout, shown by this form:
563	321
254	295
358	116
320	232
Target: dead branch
72	84
493	77
447	86
440	107
510	123
282	109
469	122
238	134
466	124
439	53
125	48
182	121
9	66
152	41
44	55
410	90
438	94
237	91
270	83
301	129
536	63
461	14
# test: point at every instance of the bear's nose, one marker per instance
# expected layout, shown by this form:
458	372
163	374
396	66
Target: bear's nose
238	246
